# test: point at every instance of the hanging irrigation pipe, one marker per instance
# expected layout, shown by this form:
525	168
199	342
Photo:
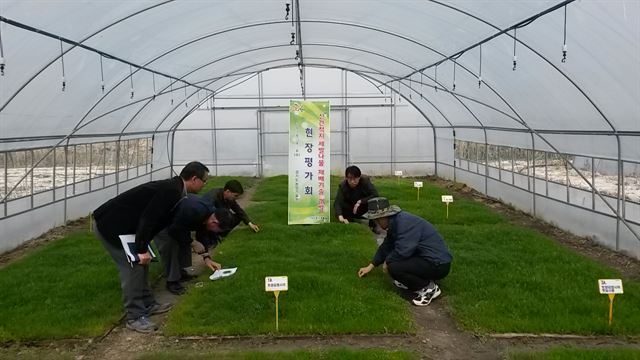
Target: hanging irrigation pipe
480	70
1	54
520	24
64	83
515	41
564	41
101	75
89	48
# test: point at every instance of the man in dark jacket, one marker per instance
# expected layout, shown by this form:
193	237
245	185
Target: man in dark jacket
226	198
174	242
143	210
352	196
413	253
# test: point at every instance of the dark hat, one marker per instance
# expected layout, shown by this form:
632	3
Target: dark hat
224	217
379	207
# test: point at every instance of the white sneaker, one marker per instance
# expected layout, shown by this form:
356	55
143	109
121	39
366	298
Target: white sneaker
426	295
400	285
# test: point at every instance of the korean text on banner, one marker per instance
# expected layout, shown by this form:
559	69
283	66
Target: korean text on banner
309	162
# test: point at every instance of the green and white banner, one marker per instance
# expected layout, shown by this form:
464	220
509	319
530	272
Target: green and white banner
309	166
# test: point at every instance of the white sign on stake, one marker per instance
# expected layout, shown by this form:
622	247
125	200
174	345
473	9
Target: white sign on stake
399	173
276	283
417	184
610	286
447	198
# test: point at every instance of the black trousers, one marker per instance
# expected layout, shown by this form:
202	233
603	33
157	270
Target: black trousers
416	272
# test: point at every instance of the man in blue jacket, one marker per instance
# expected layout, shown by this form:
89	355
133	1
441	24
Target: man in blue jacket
174	242
413	253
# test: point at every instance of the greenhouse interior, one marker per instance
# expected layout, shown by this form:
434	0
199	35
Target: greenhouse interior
530	103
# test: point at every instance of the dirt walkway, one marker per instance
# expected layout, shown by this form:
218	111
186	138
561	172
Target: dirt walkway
438	335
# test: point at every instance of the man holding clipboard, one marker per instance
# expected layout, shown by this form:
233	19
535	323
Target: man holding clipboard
143	210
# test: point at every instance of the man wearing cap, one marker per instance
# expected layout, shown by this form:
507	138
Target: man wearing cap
413	252
192	214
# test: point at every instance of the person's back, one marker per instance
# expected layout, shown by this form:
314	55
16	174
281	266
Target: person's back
416	236
123	213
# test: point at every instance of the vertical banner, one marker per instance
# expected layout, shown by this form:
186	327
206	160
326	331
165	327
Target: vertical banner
309	166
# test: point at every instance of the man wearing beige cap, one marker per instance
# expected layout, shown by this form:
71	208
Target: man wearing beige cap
413	252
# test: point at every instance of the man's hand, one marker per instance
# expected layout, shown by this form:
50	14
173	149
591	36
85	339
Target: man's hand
356	206
145	258
365	270
197	247
385	267
212	264
254	227
342	219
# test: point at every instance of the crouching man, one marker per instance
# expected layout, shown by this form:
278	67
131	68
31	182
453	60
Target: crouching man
174	242
413	252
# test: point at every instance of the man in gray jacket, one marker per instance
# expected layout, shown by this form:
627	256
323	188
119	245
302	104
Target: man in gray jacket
413	253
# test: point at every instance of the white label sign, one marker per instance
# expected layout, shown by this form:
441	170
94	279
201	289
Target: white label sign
276	283
417	184
399	173
610	286
447	198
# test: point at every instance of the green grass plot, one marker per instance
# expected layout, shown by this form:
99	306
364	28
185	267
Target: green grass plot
68	288
506	278
321	261
616	353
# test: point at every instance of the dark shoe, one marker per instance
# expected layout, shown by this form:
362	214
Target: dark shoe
158	308
176	288
185	276
141	325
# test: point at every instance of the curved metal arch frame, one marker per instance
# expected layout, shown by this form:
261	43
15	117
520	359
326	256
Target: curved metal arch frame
174	126
35	75
568	78
345	24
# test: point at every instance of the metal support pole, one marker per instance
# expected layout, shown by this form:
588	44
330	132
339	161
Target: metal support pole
566	171
149	156
513	166
6	181
32	171
533	152
215	137
118	166
90	158
66	176
499	164
173	142
104	164
593	183
259	120
391	138
54	173
75	155
546	174
137	157
456	152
